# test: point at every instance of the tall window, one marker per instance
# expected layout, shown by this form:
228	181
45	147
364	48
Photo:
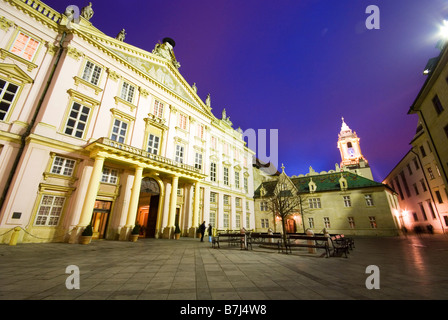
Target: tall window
372	221
182	121
213	172
422	151
200	131
433	214
127	92
50	210
158	109
226	200
179	153
8	92
213	218
77	120
238	220
226	220
437	104
153	144
226	176
422	182
351	222
213	142
422	209
213	197
369	200
314	203
24	46
327	222
119	131
438	196
246	187
405	184
91	73
416	189
264	223
347	201
63	166
311	222
198	161
416	163
109	175
237	179
431	174
263	206
238	202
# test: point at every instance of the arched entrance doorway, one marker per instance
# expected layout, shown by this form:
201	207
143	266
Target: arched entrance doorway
148	207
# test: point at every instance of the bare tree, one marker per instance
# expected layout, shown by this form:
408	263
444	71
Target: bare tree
284	201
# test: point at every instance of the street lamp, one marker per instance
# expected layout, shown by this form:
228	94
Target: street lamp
444	30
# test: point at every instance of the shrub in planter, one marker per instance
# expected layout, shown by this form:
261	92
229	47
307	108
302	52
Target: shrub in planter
86	235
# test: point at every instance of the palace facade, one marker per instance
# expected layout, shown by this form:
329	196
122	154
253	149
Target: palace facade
96	131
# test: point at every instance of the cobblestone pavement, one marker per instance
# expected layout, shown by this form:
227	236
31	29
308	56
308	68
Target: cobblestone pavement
186	269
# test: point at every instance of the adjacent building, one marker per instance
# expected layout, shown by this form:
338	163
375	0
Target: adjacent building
420	178
96	131
344	200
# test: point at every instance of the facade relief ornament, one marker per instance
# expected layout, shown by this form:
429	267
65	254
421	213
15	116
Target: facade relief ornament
74	53
87	12
5	24
165	50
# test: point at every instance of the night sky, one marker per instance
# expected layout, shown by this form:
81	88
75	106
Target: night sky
296	66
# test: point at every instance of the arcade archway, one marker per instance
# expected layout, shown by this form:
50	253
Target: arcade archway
148	207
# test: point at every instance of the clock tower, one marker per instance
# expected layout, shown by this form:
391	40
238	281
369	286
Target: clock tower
351	156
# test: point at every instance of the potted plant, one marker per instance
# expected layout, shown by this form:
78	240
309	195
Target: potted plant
86	235
135	233
176	232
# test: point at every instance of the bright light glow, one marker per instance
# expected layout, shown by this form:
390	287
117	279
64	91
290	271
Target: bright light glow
444	30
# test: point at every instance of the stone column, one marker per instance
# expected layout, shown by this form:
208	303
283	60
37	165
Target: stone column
197	190
92	190
89	200
133	202
169	230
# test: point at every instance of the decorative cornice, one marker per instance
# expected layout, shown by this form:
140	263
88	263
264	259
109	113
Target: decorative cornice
4	53
78	80
83	97
121	114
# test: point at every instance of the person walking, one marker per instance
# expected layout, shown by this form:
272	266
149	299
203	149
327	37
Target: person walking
202	230
210	231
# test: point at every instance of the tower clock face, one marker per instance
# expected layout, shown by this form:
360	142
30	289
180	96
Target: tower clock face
351	152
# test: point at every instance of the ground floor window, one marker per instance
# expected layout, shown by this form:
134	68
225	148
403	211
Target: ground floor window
311	222
50	210
327	222
372	222
226	220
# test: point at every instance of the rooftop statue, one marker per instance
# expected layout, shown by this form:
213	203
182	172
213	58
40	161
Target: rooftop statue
87	11
121	35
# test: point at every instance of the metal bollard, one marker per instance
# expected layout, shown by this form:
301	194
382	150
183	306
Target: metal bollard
15	236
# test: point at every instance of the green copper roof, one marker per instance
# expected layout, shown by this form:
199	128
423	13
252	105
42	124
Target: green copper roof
324	182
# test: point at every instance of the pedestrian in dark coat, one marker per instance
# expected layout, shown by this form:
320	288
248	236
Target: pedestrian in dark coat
210	231
202	230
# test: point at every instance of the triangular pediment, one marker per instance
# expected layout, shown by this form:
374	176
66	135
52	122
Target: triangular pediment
156	68
13	72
